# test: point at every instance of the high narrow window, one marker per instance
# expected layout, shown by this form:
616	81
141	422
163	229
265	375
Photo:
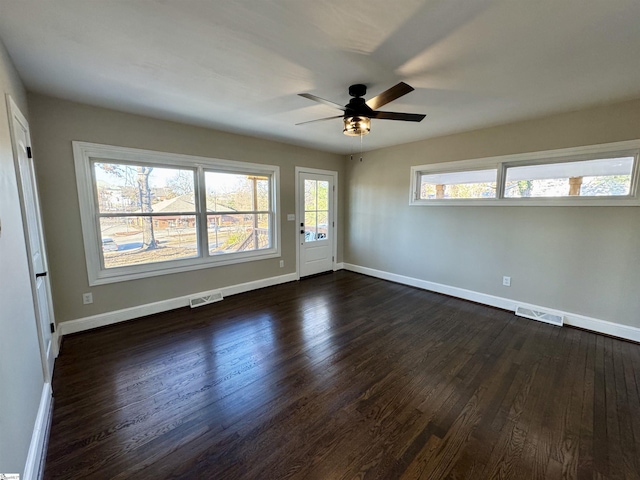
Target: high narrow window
465	184
586	178
594	175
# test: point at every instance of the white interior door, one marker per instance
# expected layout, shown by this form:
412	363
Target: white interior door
316	192
33	233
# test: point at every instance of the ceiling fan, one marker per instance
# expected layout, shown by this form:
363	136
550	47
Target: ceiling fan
358	112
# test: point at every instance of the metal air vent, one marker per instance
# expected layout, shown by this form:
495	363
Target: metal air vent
205	298
540	315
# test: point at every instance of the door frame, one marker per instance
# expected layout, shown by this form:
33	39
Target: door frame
334	242
16	114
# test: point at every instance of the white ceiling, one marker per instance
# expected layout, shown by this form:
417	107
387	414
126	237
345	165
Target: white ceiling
239	65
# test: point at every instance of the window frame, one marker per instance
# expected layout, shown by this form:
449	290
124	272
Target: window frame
502	163
84	156
472	167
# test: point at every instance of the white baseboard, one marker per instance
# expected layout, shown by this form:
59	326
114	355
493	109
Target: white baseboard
577	320
602	326
55	342
109	318
435	287
339	266
574	319
36	454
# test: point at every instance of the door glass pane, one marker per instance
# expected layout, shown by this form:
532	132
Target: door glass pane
316	206
322	229
323	196
310	226
310	193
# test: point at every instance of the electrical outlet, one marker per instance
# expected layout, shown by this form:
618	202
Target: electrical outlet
87	298
506	281
281	263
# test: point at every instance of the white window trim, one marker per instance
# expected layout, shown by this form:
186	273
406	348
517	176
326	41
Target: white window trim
83	152
501	163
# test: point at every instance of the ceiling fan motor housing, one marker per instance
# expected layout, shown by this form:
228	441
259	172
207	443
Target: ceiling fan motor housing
358	90
357	106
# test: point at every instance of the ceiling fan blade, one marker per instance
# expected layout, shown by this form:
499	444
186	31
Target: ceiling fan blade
320	119
390	95
407	117
322	100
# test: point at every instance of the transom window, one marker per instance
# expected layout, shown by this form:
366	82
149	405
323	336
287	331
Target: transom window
465	184
150	213
595	175
604	177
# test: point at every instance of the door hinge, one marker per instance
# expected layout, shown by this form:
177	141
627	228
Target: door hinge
29	152
53	328
334	188
333	259
333	224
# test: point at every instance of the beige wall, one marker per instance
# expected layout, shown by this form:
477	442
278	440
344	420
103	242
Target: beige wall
55	123
583	260
21	377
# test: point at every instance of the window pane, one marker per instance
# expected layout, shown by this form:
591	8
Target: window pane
233	192
601	177
262	189
467	184
605	185
427	190
140	240
231	233
140	188
264	229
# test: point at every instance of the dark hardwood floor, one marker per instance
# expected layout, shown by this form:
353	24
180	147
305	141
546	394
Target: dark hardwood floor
344	376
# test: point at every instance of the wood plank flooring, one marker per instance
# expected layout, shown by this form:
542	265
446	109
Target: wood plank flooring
344	376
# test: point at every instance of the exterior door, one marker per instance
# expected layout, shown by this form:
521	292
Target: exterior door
316	221
33	232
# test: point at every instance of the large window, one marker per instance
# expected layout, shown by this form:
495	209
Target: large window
150	213
594	175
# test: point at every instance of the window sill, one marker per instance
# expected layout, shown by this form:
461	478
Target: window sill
123	274
531	202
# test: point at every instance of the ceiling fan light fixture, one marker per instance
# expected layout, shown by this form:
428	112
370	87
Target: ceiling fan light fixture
356	126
